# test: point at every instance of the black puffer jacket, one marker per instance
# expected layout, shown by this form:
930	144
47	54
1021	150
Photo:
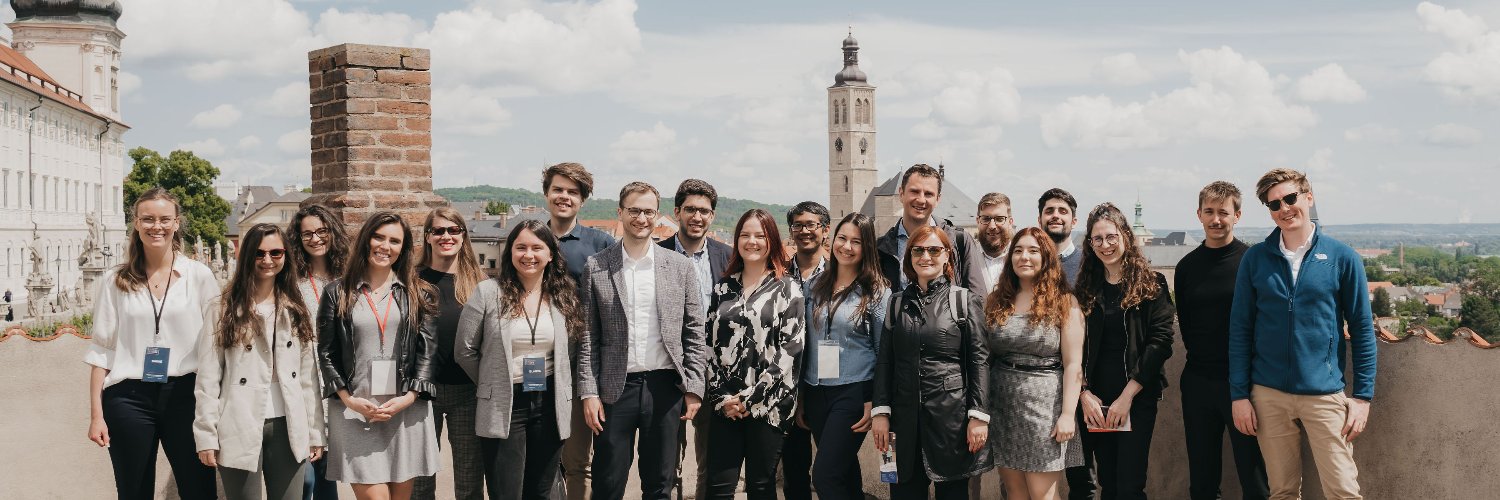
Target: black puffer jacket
1149	327
415	350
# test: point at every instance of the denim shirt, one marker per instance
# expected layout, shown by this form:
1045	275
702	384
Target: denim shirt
857	338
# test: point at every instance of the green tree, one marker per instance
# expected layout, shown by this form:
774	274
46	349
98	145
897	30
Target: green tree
191	180
1373	272
496	207
1381	305
1480	315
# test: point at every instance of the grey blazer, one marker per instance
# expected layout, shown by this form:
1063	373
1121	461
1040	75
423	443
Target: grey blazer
482	350
601	353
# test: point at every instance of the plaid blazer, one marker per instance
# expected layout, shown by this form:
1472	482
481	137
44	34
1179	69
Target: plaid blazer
601	353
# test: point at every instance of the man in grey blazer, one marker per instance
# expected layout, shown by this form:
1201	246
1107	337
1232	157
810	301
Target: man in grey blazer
643	362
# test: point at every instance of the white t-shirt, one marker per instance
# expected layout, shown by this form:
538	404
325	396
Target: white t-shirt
276	404
522	347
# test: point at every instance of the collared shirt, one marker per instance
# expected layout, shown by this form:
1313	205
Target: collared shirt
857	337
646	351
1067	251
796	272
993	266
1294	257
703	266
125	325
901	238
578	245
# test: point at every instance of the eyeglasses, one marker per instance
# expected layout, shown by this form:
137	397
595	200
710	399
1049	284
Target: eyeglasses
636	213
319	233
985	220
275	253
1105	240
446	230
1289	200
697	211
798	227
932	251
155	221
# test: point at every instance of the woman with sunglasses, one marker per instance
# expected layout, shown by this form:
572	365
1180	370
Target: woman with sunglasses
1130	324
260	415
755	327
847	305
931	382
513	337
375	350
1036	369
319	251
150	318
449	265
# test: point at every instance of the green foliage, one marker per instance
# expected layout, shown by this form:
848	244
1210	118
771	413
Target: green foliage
191	180
1381	305
1480	315
728	211
1414	308
496	207
1373	272
1441	326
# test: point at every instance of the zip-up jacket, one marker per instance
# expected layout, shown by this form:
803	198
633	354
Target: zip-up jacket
1287	335
1149	327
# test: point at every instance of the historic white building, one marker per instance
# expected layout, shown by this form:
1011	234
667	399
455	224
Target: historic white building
62	162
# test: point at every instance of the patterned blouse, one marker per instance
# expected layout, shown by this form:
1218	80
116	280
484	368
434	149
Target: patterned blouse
757	346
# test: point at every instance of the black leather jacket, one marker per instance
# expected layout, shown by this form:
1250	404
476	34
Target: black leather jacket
968	273
415	350
1149	327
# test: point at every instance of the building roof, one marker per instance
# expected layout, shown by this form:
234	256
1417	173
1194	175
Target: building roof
250	199
467	208
1162	256
850	75
21	71
1174	238
497	229
1376	285
293	197
78	10
955	206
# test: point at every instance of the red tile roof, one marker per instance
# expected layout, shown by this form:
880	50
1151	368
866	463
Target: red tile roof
18	69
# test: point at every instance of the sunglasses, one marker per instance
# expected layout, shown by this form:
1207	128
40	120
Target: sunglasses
933	251
444	231
1290	200
276	254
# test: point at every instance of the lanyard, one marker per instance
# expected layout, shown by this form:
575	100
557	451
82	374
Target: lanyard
380	320
314	285
529	323
157	312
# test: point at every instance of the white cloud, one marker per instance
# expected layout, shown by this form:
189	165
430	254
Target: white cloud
971	106
1452	135
129	82
295	142
1230	98
466	110
215	39
1121	69
288	100
1472	70
220	116
1329	84
649	147
1373	133
204	149
249	142
1321	161
387	28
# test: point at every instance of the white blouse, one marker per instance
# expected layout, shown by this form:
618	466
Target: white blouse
124	322
521	346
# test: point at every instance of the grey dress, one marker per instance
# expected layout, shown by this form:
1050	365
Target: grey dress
1027	402
393	451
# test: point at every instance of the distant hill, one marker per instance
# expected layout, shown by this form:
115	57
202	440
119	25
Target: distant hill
729	209
1484	237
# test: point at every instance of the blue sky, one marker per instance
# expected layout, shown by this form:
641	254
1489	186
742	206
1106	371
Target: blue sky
1392	107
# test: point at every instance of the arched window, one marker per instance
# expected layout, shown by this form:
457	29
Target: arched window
846	184
834	110
846	111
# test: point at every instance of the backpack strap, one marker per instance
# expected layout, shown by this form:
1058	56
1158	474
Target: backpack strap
958	304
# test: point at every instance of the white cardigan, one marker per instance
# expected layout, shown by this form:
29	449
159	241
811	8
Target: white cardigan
234	385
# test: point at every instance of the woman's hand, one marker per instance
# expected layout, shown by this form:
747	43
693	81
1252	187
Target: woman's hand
364	407
1093	412
863	425
315	453
1119	412
880	425
733	409
979	433
397	404
1066	428
99	432
210	458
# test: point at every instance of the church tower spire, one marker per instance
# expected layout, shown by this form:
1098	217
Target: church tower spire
851	135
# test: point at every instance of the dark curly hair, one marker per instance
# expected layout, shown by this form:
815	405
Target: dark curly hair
1137	278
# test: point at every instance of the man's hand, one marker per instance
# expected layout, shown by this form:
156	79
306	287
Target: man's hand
1359	415
691	403
593	414
1244	417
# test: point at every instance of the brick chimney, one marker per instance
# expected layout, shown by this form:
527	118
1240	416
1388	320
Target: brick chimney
371	132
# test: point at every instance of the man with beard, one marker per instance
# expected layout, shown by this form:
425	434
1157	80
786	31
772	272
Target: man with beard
920	189
1057	213
694	207
995	228
808	223
567	186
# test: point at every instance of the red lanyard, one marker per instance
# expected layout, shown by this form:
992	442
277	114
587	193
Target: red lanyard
380	320
314	285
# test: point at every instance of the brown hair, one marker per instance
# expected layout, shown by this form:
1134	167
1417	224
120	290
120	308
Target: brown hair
574	172
1218	191
420	294
776	253
131	275
338	240
468	275
1050	300
868	276
558	288
924	170
1278	176
992	199
922	234
638	187
239	324
1137	278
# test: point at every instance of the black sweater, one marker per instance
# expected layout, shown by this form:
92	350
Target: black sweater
447	371
1205	293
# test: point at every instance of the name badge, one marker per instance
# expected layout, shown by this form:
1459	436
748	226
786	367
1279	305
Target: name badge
828	359
156	364
382	377
533	374
888	462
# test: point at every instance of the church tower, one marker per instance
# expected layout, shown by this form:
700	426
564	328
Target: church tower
78	43
851	136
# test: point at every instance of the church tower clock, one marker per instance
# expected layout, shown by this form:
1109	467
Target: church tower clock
851	136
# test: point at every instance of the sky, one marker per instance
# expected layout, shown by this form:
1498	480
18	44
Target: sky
1393	108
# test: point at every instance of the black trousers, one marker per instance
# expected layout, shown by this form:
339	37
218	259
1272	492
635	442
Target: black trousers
750	442
1122	456
525	466
651	404
831	411
1080	479
142	414
916	487
1206	416
796	463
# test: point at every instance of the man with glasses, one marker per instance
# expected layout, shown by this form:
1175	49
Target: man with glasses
694	207
995	229
808	223
921	188
643	361
1294	296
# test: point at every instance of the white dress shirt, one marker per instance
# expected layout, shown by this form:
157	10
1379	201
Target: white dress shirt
993	266
124	323
646	351
1295	257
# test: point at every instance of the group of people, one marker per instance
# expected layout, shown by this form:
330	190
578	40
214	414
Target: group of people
330	359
